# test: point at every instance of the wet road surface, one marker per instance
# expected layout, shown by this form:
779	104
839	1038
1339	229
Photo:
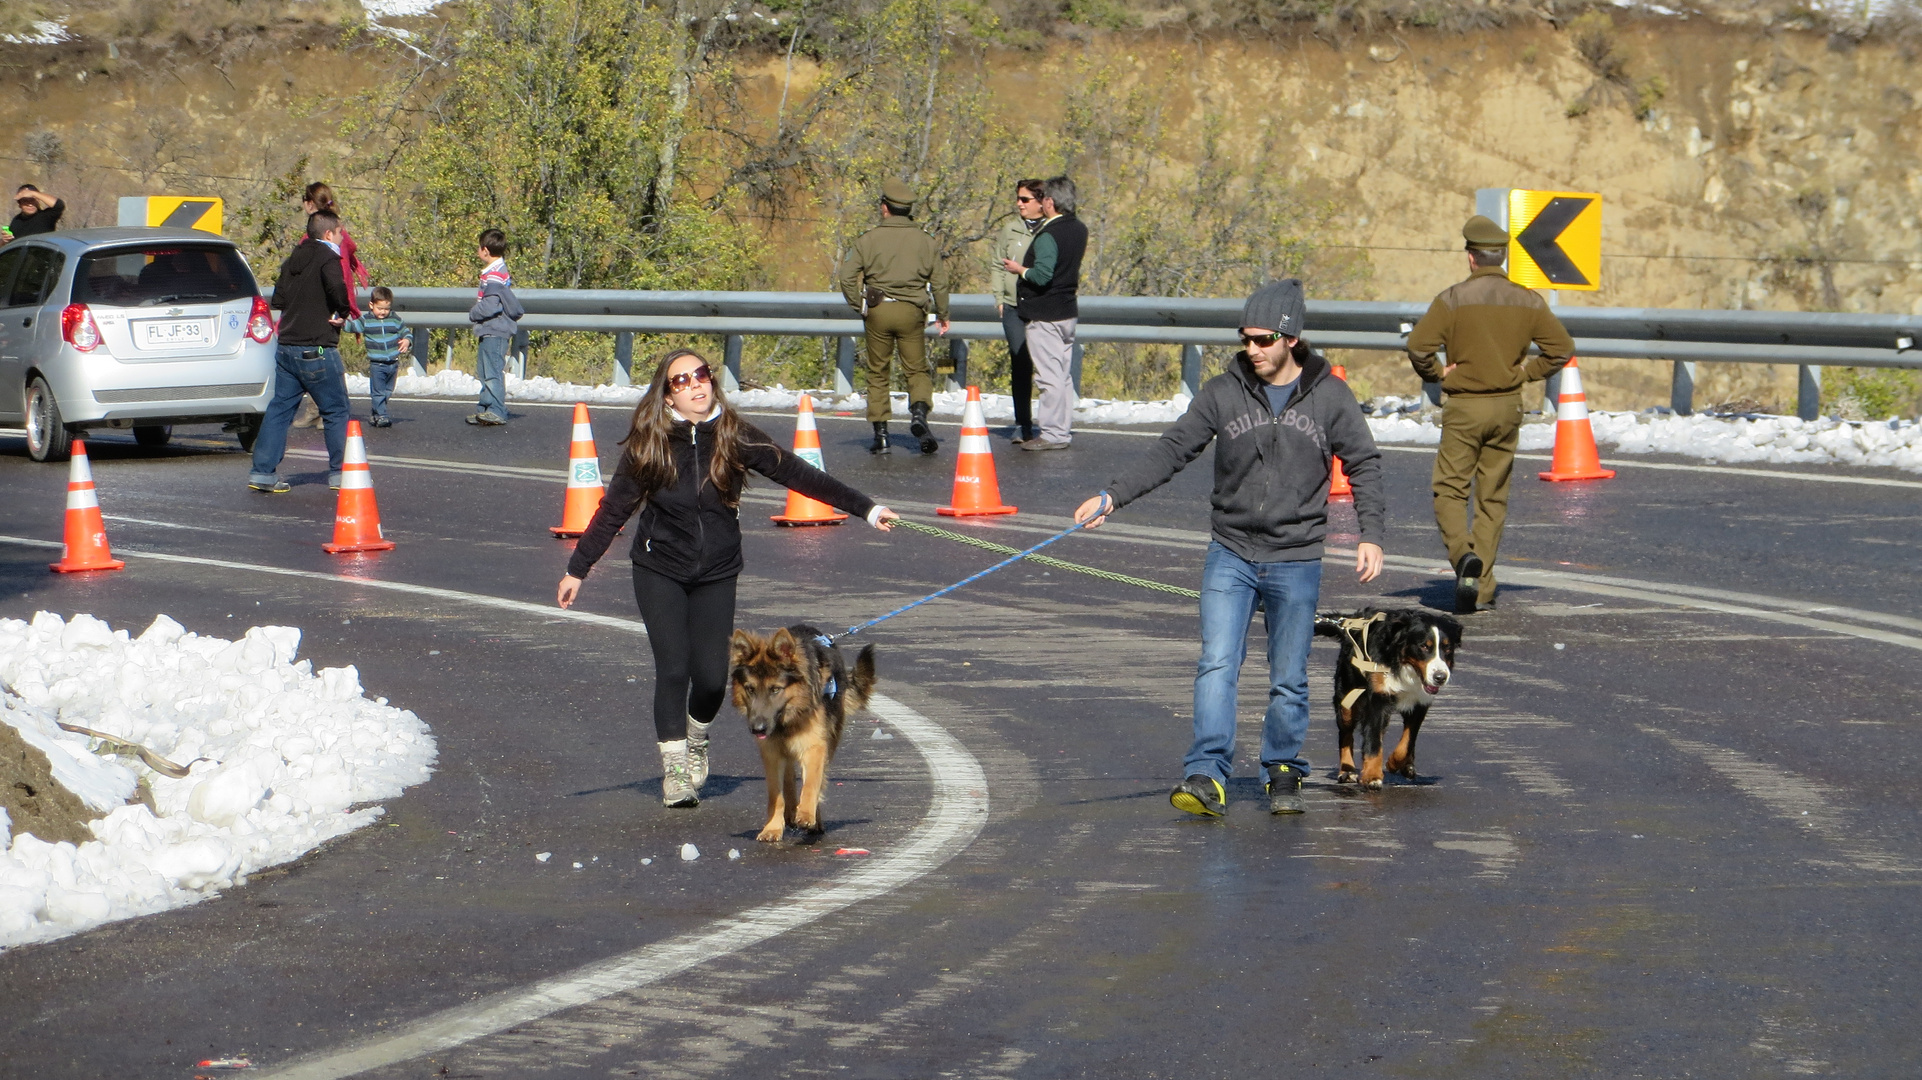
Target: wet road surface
1681	844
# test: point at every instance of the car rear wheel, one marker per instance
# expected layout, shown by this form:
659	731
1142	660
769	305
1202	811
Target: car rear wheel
247	431
153	435
47	436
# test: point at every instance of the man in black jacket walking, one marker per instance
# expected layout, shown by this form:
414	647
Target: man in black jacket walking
311	296
1275	416
1048	280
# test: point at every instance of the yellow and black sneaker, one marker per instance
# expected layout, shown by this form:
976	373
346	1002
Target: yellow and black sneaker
1201	795
1284	790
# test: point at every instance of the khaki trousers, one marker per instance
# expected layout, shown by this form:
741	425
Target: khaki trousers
896	324
1477	447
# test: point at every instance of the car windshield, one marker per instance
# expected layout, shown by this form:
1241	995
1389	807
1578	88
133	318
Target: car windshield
162	274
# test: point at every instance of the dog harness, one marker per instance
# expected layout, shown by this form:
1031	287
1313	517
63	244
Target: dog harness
833	688
1358	652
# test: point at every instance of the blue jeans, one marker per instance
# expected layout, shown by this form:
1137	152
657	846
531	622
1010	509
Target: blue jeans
296	372
380	383
1289	592
491	369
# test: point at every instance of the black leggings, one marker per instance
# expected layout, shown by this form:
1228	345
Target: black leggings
688	626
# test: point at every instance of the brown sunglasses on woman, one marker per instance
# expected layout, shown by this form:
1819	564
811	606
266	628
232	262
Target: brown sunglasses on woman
700	376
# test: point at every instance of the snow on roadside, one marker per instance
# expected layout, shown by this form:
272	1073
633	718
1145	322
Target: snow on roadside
280	754
1770	439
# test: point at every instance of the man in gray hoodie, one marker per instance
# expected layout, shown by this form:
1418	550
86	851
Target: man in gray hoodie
1275	416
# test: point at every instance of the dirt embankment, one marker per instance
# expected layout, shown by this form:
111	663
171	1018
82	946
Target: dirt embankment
1739	167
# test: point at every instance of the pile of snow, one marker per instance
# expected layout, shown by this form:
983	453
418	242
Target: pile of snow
280	753
1778	440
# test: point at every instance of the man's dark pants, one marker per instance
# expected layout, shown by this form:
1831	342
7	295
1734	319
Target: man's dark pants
1020	369
298	369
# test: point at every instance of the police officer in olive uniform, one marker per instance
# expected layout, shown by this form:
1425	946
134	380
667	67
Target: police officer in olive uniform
1485	324
893	275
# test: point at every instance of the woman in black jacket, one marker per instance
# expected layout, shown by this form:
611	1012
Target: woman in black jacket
686	457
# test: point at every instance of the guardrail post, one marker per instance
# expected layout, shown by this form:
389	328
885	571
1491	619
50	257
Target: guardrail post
1552	394
958	349
731	363
623	359
1191	370
421	345
1808	391
520	354
844	366
1681	389
1074	370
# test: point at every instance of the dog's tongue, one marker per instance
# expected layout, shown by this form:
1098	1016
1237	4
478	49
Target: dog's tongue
760	735
1433	688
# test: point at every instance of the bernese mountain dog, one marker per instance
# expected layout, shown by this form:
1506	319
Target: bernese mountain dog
1393	662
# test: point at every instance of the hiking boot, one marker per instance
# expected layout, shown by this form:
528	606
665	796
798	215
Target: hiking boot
381	420
1284	790
1202	795
1468	583
918	427
880	439
697	752
677	784
333	480
271	487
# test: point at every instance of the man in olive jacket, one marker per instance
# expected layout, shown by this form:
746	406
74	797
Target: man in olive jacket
893	274
1274	417
1486	325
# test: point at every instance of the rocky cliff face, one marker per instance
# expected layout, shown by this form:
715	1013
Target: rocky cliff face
1739	167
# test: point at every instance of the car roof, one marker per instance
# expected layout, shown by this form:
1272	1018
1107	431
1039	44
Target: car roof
120	235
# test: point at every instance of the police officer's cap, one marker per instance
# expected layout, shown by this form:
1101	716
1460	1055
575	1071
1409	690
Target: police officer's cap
1480	232
898	193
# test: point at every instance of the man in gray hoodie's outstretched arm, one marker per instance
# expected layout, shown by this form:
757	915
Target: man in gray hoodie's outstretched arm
1275	416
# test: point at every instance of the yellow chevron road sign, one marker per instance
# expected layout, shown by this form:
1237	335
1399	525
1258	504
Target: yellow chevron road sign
202	212
1555	239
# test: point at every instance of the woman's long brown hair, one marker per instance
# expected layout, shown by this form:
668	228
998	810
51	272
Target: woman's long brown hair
651	453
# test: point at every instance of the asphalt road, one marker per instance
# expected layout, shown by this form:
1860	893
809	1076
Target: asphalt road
1664	828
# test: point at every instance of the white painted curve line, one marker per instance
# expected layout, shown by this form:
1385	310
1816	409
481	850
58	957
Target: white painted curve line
542	610
959	810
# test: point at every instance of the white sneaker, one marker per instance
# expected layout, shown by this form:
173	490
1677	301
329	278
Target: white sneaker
677	787
697	752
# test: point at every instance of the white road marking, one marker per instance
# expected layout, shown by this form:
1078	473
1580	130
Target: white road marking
959	809
158	524
1752	605
1795	799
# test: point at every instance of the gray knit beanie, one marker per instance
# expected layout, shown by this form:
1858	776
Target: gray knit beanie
1278	306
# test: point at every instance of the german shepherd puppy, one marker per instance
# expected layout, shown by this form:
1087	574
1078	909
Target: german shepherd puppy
1406	657
796	691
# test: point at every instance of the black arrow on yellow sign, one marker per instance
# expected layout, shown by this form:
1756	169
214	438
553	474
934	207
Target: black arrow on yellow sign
1541	240
188	214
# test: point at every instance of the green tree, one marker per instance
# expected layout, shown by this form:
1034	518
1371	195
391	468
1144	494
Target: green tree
562	123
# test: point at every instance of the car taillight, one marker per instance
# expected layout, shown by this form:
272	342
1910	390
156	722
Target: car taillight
260	321
77	327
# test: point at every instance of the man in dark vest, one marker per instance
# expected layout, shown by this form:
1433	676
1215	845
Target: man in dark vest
1048	280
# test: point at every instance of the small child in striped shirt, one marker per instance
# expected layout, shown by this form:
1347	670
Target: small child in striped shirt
387	339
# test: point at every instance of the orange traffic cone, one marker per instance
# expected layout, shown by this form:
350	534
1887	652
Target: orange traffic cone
1575	455
1338	486
356	518
86	533
976	491
584	488
802	510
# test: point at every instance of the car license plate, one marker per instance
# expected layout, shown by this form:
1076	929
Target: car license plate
174	333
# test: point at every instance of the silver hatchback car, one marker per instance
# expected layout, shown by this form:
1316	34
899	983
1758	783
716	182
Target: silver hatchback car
130	328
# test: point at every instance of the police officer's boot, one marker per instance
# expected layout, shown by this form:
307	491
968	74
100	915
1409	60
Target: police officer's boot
880	438
918	427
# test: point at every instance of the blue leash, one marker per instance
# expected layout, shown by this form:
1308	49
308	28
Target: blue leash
852	630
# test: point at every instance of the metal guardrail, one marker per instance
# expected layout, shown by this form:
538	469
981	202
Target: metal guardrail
1809	340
